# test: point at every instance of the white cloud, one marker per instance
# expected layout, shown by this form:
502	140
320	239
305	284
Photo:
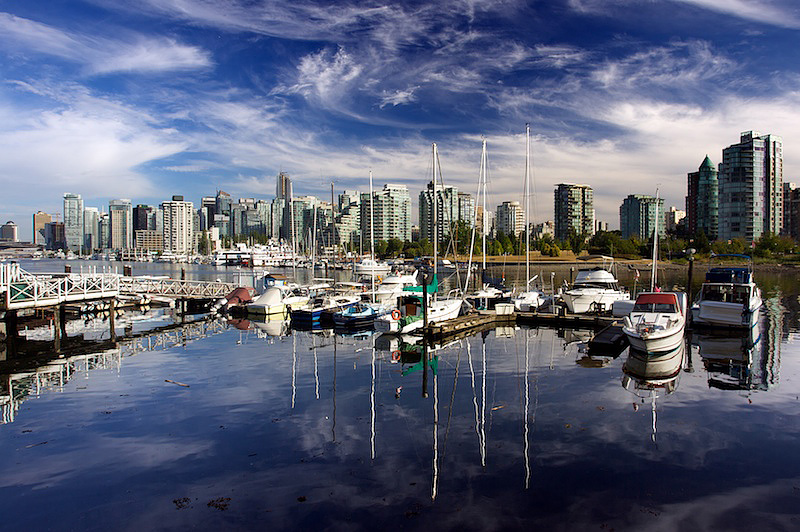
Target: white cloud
784	14
398	97
101	55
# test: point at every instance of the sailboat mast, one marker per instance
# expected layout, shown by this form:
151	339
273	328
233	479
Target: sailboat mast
314	239
527	206
484	164
655	250
372	237
435	212
333	223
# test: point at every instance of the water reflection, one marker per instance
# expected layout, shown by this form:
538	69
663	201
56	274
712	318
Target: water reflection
647	375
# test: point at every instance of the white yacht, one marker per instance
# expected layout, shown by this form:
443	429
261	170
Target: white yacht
371	267
594	290
728	298
657	322
278	300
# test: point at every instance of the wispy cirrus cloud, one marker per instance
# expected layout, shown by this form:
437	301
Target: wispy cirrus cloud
102	55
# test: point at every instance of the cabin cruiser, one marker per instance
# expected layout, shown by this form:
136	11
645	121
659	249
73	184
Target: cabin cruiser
371	267
391	286
729	298
657	322
322	308
408	316
278	299
594	290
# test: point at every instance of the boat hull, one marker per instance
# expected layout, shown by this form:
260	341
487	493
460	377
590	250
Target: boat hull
583	301
655	343
722	314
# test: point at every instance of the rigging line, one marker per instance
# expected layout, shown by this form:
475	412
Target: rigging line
435	486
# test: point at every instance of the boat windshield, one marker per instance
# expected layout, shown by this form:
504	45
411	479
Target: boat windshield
726	293
654	307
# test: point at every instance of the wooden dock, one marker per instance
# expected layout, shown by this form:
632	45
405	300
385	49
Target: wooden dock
610	340
464	324
565	320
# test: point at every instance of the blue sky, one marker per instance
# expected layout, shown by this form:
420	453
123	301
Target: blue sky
144	99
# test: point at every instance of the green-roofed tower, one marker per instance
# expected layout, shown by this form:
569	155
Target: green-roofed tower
702	200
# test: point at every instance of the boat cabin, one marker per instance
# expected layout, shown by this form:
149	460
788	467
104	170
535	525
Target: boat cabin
660	302
595	278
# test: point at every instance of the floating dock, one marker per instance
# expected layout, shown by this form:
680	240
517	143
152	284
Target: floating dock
609	340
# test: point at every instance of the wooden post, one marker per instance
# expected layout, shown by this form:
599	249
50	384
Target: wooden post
57	329
62	321
689	284
112	310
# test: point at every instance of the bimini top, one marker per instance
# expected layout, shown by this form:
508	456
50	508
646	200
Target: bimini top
656	302
729	275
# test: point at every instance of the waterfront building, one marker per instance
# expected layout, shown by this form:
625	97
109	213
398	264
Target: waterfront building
301	208
285	192
91	229
791	210
510	218
208	208
751	187
178	226
149	240
121	224
466	208
105	230
54	235
73	222
391	213
702	200
601	226
446	210
573	210
348	222
542	229
674	218
9	232
277	212
40	220
638	215
490	220
222	212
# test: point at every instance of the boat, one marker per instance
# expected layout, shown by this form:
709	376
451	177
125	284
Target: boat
391	286
595	290
371	267
531	299
358	316
322	308
657	322
409	314
658	319
278	300
729	297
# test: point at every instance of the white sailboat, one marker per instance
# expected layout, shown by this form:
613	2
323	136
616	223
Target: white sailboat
658	320
529	299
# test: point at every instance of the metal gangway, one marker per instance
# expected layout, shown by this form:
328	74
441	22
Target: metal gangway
20	289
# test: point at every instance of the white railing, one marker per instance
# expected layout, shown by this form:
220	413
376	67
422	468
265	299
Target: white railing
19	289
176	288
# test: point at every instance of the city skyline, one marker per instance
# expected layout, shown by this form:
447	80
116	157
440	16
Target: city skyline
148	99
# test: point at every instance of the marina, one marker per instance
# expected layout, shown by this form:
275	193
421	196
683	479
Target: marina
231	422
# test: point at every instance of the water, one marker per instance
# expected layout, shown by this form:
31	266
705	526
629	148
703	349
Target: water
511	428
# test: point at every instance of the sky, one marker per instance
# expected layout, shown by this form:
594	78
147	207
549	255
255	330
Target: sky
143	99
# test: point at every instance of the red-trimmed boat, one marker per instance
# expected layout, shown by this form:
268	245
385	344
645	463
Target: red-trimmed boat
657	322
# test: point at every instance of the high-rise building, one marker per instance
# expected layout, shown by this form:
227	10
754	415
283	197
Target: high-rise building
283	191
510	218
638	215
673	218
40	220
574	210
446	210
391	211
178	226
120	213
348	222
105	230
73	222
208	208
91	229
222	212
466	208
702	200
751	187
54	233
9	232
791	210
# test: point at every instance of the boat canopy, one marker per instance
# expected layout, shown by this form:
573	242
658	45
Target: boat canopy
433	287
728	275
656	302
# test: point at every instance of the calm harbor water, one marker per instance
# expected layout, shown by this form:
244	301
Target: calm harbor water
207	425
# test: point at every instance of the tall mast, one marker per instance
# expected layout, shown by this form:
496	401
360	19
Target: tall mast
655	250
484	170
314	238
372	237
527	206
333	222
435	212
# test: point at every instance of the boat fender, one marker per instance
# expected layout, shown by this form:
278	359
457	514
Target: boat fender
395	314
395	356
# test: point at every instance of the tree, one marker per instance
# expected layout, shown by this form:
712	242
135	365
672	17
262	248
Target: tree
394	246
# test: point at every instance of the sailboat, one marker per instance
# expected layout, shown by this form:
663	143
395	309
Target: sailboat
409	315
529	299
658	320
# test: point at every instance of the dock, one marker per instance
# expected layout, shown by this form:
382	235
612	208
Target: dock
609	340
466	324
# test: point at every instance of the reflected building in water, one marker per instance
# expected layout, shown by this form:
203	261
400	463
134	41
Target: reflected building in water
745	362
